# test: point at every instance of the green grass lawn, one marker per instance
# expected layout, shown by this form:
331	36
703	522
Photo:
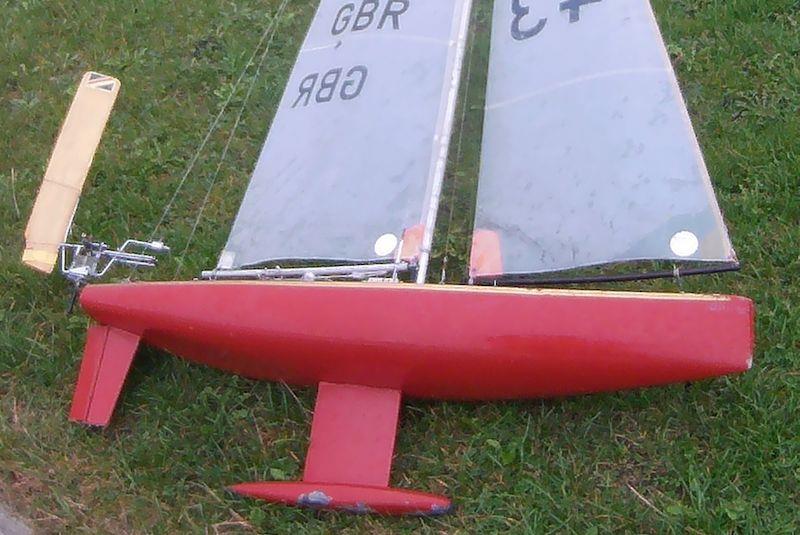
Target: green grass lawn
714	457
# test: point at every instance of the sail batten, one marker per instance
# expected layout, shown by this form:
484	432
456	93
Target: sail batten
350	169
589	156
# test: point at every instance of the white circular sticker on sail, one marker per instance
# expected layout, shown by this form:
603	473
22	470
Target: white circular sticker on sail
385	245
684	244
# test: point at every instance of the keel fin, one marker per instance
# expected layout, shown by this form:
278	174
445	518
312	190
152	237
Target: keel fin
350	458
107	358
352	435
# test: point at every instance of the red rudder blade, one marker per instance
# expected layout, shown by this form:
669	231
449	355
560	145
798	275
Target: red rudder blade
107	359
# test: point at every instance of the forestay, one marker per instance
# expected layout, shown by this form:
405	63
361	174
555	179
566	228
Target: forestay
589	156
354	160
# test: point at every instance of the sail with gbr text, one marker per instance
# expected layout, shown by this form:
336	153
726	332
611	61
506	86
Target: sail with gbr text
352	168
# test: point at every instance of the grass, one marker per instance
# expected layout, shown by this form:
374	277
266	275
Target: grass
714	457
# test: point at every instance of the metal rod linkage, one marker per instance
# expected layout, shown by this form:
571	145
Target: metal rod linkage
359	272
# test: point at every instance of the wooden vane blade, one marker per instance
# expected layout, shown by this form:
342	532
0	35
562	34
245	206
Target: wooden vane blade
69	164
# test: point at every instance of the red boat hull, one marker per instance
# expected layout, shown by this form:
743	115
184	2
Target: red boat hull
368	345
464	343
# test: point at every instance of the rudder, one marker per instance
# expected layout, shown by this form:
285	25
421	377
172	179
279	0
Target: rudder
107	358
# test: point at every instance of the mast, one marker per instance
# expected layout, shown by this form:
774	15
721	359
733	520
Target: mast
449	109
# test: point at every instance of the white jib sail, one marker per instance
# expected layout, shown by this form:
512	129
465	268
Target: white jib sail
589	156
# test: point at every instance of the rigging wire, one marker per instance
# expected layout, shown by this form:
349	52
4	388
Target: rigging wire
215	123
273	26
676	273
459	145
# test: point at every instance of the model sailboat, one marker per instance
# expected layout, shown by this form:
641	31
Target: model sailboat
588	159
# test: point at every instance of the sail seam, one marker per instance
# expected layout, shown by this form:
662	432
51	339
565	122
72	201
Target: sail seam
413	38
575	81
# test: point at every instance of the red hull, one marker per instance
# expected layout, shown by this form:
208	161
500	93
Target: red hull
436	342
367	345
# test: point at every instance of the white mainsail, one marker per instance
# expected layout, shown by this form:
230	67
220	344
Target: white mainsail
589	156
353	164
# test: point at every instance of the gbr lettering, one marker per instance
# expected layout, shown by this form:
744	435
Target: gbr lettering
370	12
336	83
